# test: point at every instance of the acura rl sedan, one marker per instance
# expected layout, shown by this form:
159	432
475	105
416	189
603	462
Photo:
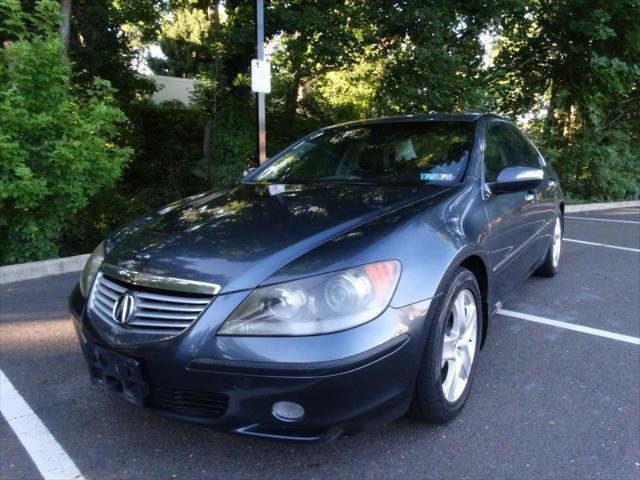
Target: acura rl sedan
350	279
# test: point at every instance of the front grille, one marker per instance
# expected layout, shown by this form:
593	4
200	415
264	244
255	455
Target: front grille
188	402
154	311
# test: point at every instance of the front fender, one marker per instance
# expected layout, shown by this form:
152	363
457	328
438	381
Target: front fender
430	239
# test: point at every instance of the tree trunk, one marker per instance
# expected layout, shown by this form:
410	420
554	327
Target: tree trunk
206	142
292	95
213	15
65	26
548	121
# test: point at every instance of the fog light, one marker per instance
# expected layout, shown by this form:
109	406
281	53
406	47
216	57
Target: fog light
287	411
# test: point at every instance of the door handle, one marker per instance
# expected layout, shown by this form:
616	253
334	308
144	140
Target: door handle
529	196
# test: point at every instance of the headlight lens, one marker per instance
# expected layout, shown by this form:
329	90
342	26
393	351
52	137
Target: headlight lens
90	271
316	305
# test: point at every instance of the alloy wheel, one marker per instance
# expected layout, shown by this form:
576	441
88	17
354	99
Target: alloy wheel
459	346
557	242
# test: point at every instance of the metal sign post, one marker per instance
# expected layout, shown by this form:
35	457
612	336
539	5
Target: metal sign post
260	99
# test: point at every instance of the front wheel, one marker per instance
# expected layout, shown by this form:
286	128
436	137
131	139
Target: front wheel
449	360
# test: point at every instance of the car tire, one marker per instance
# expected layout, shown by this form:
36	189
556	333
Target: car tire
436	400
551	264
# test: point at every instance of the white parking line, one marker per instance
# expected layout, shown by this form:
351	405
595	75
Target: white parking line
47	454
602	245
571	326
602	220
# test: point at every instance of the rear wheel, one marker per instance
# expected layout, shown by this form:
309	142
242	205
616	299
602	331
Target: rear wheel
551	263
449	359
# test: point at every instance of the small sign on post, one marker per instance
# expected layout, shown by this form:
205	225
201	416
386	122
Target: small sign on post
260	76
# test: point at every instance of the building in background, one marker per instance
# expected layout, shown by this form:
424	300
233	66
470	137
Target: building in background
172	88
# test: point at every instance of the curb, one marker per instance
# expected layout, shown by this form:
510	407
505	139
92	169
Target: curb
44	268
57	266
587	207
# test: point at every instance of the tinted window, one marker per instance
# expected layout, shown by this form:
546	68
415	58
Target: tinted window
385	153
497	151
506	147
525	155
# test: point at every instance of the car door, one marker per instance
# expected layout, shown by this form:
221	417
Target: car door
545	204
513	217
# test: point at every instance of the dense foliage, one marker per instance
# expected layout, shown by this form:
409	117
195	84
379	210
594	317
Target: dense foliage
167	165
568	71
57	145
105	42
576	64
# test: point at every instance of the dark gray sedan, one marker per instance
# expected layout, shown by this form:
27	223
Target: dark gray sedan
350	278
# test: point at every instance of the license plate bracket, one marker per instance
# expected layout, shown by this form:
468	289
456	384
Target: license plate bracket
117	374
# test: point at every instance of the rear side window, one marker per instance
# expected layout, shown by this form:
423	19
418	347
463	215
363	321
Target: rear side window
497	152
524	153
505	147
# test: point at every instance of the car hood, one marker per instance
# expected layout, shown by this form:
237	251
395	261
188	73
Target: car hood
237	237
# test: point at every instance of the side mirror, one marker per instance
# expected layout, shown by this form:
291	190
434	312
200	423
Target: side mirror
517	179
247	171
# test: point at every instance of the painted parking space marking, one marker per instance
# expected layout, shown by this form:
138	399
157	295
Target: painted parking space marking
571	326
602	220
595	244
47	454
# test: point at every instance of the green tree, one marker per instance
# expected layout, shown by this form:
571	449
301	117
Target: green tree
198	42
314	38
58	146
430	54
574	68
106	40
339	60
183	40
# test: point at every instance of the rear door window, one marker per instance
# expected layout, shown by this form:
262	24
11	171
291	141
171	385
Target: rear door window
498	151
506	147
525	155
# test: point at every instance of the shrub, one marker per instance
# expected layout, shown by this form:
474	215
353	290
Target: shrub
167	165
58	146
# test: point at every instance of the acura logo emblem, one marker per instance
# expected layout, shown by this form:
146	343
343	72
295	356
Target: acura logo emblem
123	308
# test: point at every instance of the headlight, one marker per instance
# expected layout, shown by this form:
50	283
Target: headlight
88	275
315	305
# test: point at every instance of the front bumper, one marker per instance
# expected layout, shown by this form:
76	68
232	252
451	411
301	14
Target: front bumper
350	380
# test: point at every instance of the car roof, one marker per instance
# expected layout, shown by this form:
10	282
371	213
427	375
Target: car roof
426	117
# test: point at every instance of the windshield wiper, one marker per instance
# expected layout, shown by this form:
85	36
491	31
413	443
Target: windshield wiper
348	182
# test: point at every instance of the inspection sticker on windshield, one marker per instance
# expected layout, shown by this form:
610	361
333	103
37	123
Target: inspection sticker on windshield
437	177
276	189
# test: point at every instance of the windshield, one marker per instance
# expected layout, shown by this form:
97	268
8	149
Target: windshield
384	153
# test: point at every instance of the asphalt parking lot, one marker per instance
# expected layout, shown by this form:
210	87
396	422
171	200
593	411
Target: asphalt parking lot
548	402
